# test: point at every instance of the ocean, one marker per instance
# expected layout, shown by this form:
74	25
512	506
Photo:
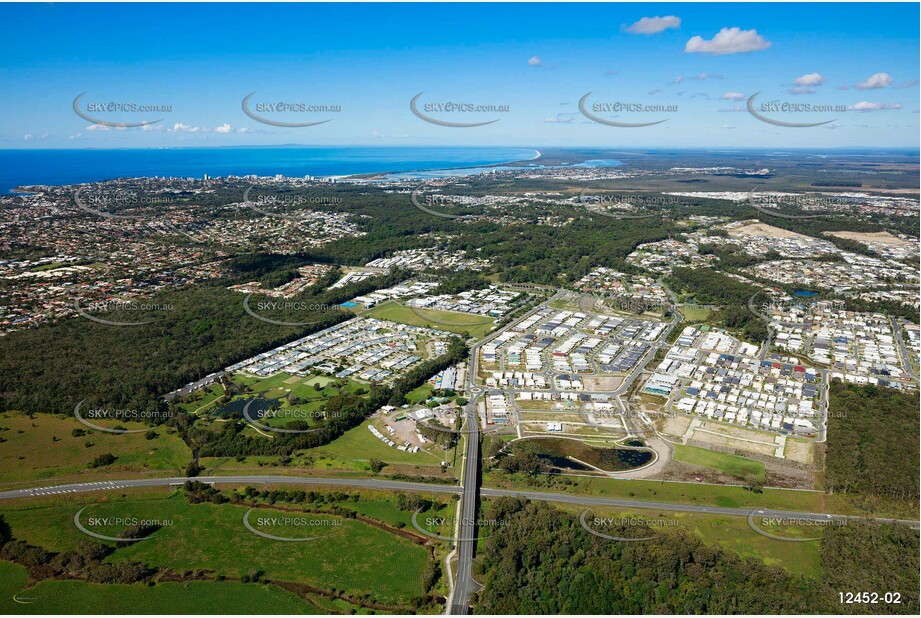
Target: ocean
66	166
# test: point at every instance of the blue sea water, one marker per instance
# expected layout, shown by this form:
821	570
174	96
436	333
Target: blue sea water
63	167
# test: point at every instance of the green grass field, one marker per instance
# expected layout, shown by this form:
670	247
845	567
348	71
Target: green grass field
346	555
455	322
695	314
740	467
31	452
680	493
357	446
419	394
283	384
731	533
202	399
200	597
351	452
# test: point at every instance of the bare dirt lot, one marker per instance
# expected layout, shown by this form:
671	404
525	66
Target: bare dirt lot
880	238
601	383
763	229
675	425
719	438
800	451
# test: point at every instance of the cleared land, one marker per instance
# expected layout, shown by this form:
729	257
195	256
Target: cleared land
695	314
351	555
45	447
736	438
739	467
802	451
661	491
763	229
881	238
731	533
454	322
352	452
194	597
600	383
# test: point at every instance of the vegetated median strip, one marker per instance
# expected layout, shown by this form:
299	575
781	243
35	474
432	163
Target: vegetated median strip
451	489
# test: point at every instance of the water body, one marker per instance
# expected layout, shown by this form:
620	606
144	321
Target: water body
446	173
260	406
70	166
805	293
567	454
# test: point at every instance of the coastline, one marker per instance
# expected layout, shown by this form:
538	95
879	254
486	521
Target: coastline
378	175
197	170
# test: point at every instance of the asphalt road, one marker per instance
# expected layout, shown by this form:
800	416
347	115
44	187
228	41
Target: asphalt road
239	480
465	543
906	354
372	483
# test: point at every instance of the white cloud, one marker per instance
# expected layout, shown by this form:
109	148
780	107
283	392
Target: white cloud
810	79
653	25
184	128
535	61
224	128
727	126
734	108
733	96
560	119
727	41
704	76
98	127
678	79
877	80
844	87
869	106
27	137
910	83
801	90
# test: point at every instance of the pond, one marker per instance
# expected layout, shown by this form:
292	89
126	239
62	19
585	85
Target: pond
568	454
235	407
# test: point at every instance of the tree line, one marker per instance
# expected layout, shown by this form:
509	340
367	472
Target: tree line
543	562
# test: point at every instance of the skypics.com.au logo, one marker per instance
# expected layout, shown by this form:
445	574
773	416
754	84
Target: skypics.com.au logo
280	527
438	112
116	414
118	113
314	312
280	113
108	204
592	111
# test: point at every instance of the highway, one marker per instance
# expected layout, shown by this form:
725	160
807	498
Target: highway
465	542
469	489
374	483
906	354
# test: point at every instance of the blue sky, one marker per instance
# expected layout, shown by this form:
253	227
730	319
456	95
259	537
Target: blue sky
538	59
